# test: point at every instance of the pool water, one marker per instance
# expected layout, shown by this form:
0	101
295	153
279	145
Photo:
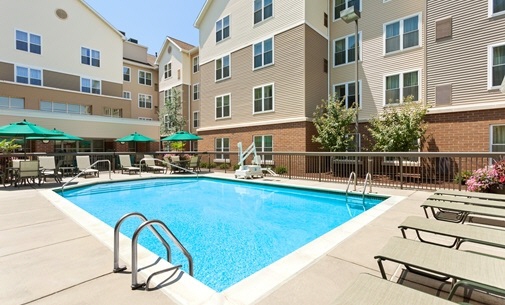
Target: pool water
231	228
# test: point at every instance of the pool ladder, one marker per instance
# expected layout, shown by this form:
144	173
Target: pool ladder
368	179
134	265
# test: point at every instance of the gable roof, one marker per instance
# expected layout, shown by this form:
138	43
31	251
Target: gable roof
183	47
202	13
102	19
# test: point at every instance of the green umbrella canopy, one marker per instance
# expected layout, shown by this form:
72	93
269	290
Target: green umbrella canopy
56	135
182	136
23	129
135	137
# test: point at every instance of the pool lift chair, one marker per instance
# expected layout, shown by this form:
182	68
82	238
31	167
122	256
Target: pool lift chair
249	171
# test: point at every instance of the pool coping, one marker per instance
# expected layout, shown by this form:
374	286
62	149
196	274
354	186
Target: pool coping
250	290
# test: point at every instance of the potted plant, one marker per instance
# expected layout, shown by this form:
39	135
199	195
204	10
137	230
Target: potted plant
490	179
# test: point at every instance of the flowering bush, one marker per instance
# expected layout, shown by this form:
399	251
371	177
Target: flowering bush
487	178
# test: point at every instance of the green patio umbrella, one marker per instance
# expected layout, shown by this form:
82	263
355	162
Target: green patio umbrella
23	129
56	135
135	137
182	136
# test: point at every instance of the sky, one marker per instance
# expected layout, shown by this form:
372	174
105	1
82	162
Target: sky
150	21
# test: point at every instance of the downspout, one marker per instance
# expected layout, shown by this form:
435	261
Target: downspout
425	80
330	22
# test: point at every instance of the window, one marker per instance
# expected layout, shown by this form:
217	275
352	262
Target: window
90	85
223	68
344	50
497	7
65	108
264	98
145	78
167	71
145	101
127	95
28	42
402	34
222	145
263	53
347	93
168	95
223	28
399	86
496	65
126	74
264	144
90	57
196	92
113	112
498	138
167	123
12	102
223	107
196	64
30	76
340	5
263	9
196	122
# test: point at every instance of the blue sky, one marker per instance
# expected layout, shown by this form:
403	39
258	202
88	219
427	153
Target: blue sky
150	21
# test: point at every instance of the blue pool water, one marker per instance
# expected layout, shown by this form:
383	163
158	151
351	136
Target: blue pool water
231	228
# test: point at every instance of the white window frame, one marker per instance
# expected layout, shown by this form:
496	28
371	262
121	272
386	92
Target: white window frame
222	68
10	104
28	42
263	19
147	100
91	57
396	162
145	118
129	74
167	70
401	101
29	69
167	95
490	65
346	7
491	137
360	93
91	80
263	98
222	29
113	112
145	78
266	158
166	122
360	52
197	91
127	95
83	109
491	9
222	157
401	21
263	65
196	119
215	106
196	64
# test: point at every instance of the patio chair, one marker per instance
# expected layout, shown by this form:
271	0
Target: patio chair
194	163
490	196
368	289
151	164
126	165
460	233
28	172
459	212
49	168
469	200
84	166
466	269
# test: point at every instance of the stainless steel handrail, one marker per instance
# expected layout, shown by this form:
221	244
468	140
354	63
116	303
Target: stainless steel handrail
135	283
368	175
167	164
84	171
353	174
117	268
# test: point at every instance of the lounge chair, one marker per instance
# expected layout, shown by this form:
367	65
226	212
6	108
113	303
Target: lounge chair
467	269
28	171
479	195
49	168
194	163
126	165
460	233
371	290
151	164
84	166
458	212
468	200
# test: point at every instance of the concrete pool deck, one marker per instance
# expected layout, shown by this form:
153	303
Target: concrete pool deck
46	257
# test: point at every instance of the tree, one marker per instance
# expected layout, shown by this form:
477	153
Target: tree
399	128
8	146
333	123
170	114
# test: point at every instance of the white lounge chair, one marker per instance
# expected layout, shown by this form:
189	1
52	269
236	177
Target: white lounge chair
151	164
126	165
48	168
84	166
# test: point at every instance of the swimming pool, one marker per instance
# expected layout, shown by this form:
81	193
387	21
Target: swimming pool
231	228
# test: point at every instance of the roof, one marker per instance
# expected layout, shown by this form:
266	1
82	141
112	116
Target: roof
183	47
202	13
103	19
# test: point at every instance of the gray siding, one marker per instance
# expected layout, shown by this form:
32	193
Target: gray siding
316	80
62	80
6	71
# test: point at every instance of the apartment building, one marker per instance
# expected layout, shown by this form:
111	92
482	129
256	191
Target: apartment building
61	66
263	71
465	64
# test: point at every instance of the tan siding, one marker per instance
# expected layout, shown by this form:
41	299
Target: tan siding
316	80
112	89
287	75
375	65
462	60
135	88
6	71
62	81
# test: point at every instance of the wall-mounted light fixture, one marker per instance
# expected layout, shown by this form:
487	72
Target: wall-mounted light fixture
45	141
122	143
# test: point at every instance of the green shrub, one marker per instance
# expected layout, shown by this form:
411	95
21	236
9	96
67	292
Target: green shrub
236	166
224	166
203	164
211	165
280	170
461	177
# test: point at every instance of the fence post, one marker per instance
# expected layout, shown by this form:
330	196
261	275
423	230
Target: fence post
401	173
320	167
370	171
460	173
290	167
